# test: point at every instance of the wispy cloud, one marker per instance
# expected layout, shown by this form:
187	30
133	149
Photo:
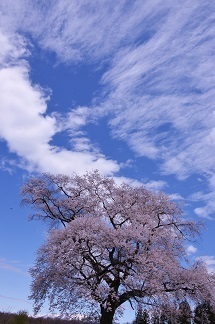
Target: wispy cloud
77	31
159	96
161	93
11	266
13	48
207	199
15	299
156	185
176	196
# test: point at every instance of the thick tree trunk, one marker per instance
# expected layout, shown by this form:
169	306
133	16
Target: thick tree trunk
106	317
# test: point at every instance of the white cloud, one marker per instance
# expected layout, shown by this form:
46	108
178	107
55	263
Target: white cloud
208	199
156	185
82	144
191	249
28	132
128	181
13	48
202	212
24	124
176	196
77	117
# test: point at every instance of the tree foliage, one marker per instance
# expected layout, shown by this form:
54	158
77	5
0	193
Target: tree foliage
184	313
142	316
119	243
20	318
204	313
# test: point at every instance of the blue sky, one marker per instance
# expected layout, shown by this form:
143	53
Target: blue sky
125	87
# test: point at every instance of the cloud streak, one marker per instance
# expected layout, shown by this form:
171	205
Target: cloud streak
158	94
86	30
9	265
15	299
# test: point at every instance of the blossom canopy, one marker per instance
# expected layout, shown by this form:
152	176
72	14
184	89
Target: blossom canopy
119	243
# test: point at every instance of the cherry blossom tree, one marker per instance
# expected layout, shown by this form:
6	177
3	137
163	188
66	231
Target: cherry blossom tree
118	243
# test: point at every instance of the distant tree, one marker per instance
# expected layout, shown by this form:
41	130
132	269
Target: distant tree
142	316
184	313
10	318
155	316
204	313
119	243
6	318
145	318
168	314
20	318
163	318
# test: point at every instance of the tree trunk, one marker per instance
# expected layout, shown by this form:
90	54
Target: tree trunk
106	316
